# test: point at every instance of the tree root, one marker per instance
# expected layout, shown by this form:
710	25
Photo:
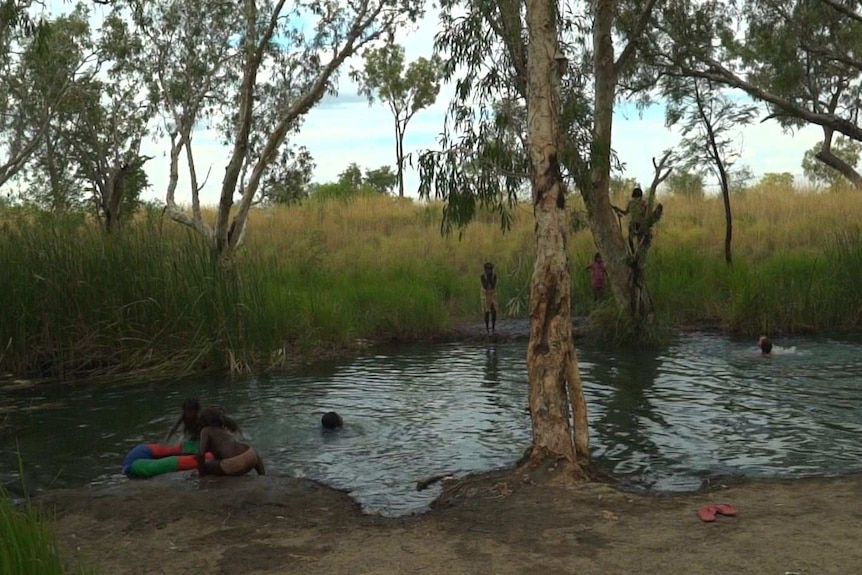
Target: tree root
426	483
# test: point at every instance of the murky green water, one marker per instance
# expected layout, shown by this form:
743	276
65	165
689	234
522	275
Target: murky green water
706	405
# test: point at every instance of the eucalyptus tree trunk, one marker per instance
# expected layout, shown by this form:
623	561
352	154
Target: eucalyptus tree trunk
555	383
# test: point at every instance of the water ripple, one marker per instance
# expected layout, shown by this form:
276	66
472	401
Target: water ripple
705	405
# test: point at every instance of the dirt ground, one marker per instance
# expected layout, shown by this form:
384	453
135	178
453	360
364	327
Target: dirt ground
500	524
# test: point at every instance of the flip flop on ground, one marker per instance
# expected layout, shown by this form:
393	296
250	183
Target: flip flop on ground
709	512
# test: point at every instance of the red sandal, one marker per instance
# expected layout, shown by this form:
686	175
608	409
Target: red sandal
709	512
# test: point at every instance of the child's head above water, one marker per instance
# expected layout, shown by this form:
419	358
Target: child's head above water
764	344
331	420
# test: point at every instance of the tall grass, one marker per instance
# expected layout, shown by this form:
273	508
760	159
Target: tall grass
78	303
27	546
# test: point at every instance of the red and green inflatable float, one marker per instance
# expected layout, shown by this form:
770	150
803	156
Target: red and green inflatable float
151	459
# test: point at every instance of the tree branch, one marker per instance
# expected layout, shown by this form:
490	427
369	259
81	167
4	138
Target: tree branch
363	20
718	73
510	30
837	6
662	171
640	28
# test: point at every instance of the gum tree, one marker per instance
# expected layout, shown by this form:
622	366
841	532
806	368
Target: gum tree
250	71
35	85
802	58
405	89
93	137
557	62
708	119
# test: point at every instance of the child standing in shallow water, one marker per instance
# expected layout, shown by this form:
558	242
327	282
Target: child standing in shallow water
597	276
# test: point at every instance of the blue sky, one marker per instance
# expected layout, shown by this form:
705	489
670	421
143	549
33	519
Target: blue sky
344	129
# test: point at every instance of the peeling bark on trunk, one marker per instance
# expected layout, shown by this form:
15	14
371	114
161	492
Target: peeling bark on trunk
555	384
112	203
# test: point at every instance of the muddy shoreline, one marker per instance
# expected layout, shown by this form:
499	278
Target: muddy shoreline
499	522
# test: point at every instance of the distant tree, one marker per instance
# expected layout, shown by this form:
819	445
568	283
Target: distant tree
289	180
351	176
776	180
622	186
381	179
251	70
405	90
37	70
708	119
820	173
740	179
685	184
92	142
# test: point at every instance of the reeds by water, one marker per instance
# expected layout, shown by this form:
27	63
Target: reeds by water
27	546
152	300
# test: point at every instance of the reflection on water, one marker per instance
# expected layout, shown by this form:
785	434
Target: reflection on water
705	405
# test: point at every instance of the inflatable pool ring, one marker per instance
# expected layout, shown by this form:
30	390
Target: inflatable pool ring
151	459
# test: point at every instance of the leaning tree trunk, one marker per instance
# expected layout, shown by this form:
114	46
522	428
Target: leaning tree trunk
555	384
826	156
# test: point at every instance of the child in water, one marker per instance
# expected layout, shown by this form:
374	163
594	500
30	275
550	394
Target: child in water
766	348
332	421
188	419
191	409
231	457
597	276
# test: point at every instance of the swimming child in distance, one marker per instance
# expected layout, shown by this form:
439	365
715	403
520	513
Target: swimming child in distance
331	421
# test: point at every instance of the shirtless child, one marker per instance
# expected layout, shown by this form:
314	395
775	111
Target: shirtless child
230	456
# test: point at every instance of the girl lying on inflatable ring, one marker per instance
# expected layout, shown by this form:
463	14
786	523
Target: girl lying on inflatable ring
230	456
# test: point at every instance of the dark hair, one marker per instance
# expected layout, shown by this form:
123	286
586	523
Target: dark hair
214	416
598	256
637	192
191	404
488	265
331	420
191	424
765	345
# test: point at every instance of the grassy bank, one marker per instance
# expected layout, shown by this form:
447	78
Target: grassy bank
27	546
150	299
